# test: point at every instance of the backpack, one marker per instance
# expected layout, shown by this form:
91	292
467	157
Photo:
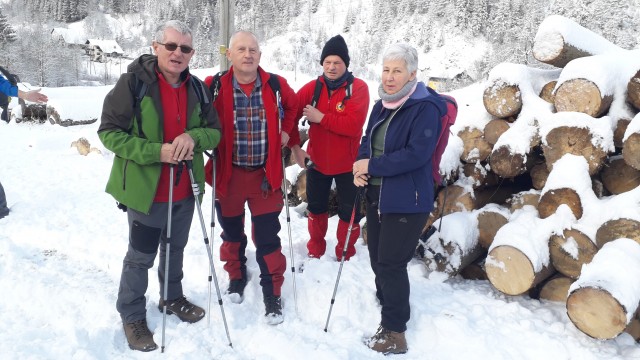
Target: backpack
446	121
141	90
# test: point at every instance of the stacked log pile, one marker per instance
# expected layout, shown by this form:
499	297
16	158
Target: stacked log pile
560	149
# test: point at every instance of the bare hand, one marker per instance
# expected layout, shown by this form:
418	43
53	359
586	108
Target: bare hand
284	138
313	115
361	180
33	96
361	167
183	146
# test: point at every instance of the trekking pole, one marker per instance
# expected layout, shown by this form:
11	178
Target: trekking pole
293	265
196	193
167	253
213	224
356	202
286	201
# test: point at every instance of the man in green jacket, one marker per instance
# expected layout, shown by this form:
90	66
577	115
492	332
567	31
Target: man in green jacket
170	124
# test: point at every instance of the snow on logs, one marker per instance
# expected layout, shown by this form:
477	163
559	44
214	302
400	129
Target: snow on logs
603	301
560	40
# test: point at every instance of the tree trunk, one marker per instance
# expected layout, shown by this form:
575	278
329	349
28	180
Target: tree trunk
494	129
480	175
618	177
489	222
616	229
570	251
556	289
552	199
508	164
521	199
564	140
547	94
582	95
633	91
502	100
555	46
475	147
511	271
631	150
602	302
449	258
618	133
539	174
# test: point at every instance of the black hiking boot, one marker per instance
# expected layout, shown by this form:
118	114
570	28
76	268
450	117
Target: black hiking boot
273	310
387	342
139	336
236	290
184	310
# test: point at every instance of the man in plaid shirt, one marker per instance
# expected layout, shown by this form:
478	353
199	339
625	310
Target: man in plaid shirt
249	169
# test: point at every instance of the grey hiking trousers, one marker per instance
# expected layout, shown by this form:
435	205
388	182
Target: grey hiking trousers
146	232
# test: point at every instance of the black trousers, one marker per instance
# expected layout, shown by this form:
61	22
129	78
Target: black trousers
392	241
318	190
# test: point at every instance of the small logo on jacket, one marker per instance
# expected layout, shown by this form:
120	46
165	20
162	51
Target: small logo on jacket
340	107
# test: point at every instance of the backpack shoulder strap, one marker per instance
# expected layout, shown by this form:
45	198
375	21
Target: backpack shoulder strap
316	92
214	88
349	89
274	84
139	92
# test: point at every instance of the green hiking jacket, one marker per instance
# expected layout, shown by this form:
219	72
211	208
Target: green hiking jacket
136	166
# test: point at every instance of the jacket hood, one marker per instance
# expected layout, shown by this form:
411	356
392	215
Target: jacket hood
424	93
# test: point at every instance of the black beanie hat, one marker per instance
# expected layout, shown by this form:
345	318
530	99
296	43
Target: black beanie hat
336	46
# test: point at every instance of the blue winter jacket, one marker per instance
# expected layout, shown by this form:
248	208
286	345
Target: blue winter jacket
409	143
7	88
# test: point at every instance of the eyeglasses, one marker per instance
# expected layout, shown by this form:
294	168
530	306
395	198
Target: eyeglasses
172	47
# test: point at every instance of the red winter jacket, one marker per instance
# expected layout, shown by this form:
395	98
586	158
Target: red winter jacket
333	143
224	106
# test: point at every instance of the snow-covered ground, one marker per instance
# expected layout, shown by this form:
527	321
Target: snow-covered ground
61	251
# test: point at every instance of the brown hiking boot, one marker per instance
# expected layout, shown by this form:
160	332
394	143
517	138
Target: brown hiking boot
139	336
184	310
388	342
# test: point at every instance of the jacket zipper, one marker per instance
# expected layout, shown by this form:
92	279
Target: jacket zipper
384	141
124	176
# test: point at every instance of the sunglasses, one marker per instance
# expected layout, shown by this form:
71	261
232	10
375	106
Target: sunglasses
172	47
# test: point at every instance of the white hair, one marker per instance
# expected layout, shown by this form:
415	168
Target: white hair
402	51
243	32
177	25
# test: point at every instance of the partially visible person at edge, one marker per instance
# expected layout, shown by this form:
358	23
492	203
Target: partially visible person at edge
7	89
249	170
5	98
334	136
394	165
174	128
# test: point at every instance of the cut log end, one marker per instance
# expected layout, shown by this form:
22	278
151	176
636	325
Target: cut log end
596	313
570	251
552	199
509	270
616	229
582	95
556	289
502	100
507	164
631	151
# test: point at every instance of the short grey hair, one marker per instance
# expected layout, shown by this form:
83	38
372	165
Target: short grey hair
233	36
177	25
402	51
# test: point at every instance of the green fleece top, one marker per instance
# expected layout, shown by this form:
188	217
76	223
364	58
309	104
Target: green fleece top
136	166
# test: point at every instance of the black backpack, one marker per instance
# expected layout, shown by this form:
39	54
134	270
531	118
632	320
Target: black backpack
141	90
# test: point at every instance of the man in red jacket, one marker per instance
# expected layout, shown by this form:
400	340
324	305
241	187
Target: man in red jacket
249	169
335	129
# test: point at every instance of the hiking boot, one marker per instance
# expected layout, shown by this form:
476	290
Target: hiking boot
388	342
273	310
139	336
184	310
236	290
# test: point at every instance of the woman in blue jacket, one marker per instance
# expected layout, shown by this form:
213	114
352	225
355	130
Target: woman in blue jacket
394	166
